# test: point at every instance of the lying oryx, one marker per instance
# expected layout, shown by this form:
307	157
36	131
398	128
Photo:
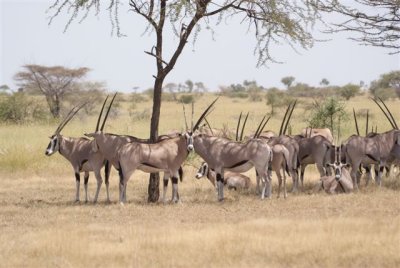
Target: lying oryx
79	152
232	180
108	145
340	183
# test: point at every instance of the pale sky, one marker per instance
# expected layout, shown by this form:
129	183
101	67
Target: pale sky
26	38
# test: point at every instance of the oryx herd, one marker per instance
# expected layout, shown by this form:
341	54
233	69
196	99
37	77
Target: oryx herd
225	159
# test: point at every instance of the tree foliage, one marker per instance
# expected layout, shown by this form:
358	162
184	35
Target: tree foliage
288	81
370	22
329	113
386	86
53	82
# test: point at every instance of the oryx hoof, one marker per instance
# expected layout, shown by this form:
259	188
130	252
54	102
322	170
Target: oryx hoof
221	199
76	201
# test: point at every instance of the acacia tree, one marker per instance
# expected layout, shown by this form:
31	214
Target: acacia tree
53	82
272	22
371	22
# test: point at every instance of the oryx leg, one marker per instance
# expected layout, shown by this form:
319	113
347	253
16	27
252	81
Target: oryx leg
86	180
165	185
175	194
368	173
379	178
78	184
220	185
99	182
266	191
295	178
107	169
278	174
258	191
302	170
284	185
354	173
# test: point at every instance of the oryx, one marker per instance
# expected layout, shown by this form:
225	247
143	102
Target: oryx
108	144
80	153
380	149
167	156
279	162
314	150
232	180
341	182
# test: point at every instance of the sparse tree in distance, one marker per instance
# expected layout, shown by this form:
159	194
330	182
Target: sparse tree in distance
324	82
189	84
288	81
53	82
386	86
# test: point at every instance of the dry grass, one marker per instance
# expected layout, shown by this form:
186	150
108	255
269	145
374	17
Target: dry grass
42	227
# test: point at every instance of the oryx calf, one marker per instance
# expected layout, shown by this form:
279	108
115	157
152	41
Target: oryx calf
232	180
79	152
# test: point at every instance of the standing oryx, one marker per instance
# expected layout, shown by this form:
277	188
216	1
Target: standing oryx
167	156
314	150
80	153
380	149
109	144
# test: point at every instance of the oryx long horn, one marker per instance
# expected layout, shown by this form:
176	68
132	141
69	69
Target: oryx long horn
101	113
390	113
61	125
289	117
209	126
108	111
184	116
237	127
366	124
259	127
191	124
263	126
71	115
196	126
355	121
284	118
244	125
380	107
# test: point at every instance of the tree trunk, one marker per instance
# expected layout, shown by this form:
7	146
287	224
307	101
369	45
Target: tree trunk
54	106
153	189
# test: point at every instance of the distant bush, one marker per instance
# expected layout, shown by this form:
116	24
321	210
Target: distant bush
137	98
348	91
18	109
186	99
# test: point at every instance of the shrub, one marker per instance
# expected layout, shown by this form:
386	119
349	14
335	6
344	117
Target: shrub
18	108
186	99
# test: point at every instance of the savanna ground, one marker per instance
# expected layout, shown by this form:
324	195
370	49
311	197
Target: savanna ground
41	226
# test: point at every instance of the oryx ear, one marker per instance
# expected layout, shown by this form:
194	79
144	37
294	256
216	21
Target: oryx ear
95	148
329	165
